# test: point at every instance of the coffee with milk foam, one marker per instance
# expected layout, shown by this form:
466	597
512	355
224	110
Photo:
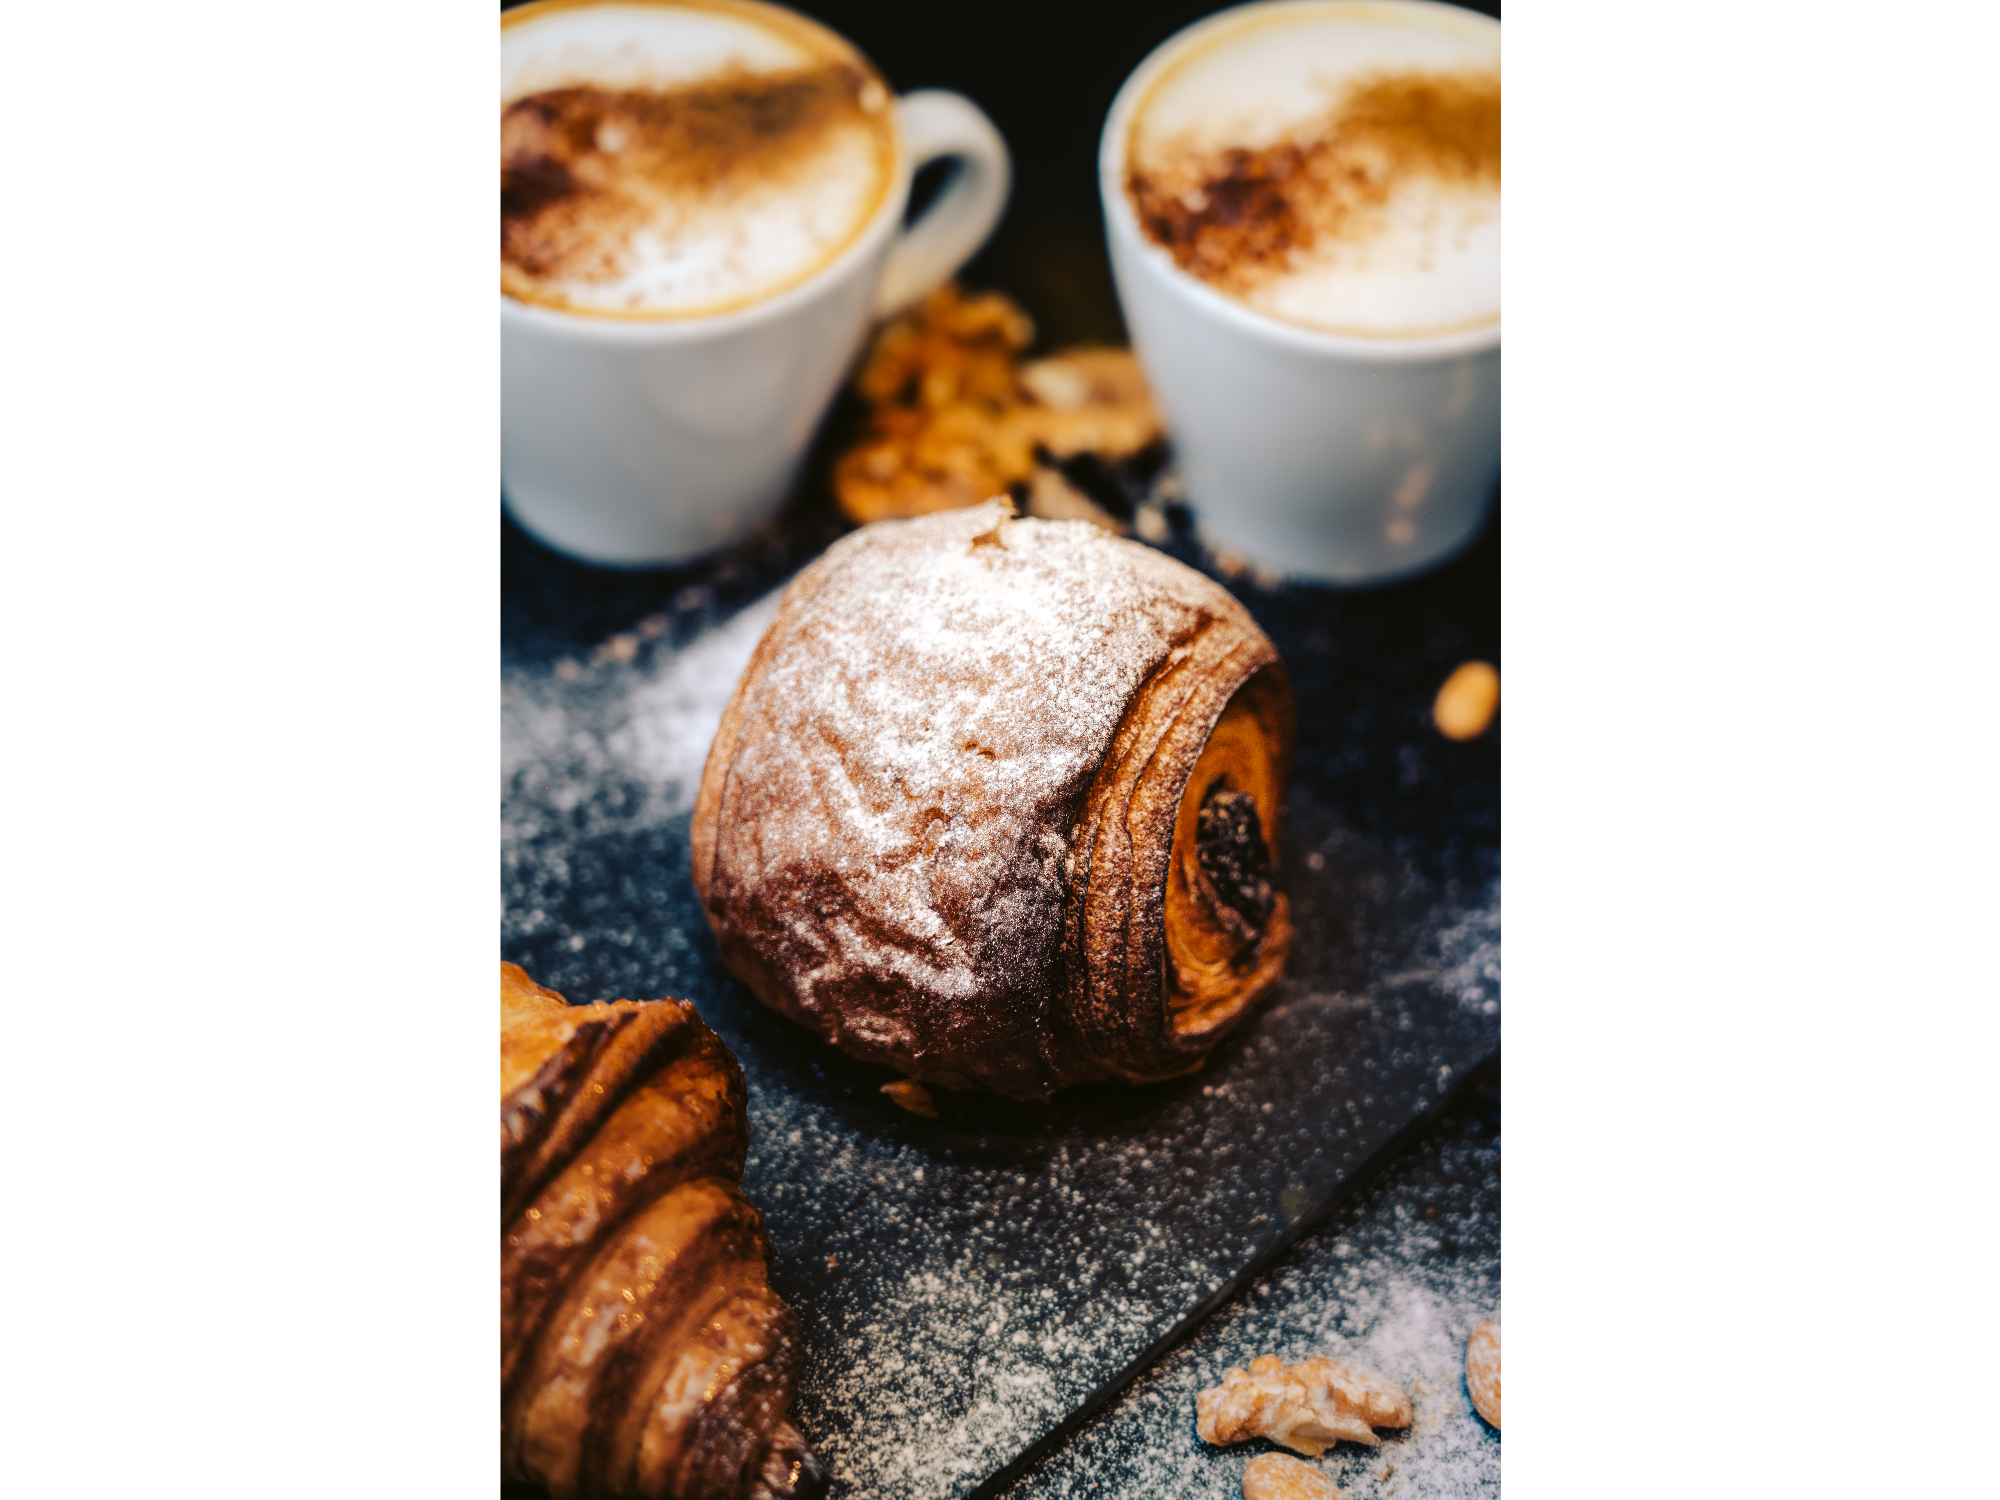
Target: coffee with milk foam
664	161
1336	166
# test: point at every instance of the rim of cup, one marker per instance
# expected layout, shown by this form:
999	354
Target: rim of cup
1124	221
617	328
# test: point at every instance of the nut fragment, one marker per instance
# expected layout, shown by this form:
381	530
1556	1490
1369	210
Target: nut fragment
1306	1407
955	418
1482	1370
912	1096
1273	1476
1466	702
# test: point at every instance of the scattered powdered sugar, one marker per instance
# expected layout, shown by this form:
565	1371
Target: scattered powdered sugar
1393	1286
1466	961
649	727
1469	953
673	715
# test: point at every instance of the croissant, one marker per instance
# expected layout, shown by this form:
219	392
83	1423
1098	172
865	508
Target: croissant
996	803
641	1351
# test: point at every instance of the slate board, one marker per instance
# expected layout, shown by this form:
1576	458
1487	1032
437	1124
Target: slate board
1393	1283
971	1287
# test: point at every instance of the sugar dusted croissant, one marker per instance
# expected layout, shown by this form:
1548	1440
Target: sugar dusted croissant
996	802
641	1351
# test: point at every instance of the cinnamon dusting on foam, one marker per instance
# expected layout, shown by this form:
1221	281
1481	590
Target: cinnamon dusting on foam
1241	218
585	170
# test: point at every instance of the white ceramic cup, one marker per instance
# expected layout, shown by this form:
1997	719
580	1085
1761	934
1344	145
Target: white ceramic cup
637	442
1316	454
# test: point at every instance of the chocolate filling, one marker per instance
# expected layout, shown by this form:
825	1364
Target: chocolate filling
1229	843
791	1470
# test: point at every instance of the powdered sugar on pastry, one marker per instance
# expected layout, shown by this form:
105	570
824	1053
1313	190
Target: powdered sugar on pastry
897	814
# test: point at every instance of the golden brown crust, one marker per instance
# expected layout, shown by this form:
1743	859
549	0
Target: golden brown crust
642	1352
1216	952
938	820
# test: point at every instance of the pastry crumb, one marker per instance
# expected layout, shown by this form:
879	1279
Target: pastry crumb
912	1096
1274	1476
955	416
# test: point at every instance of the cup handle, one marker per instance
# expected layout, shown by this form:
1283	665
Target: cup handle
937	124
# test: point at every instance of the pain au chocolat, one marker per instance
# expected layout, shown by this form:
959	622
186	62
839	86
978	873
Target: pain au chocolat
996	803
642	1352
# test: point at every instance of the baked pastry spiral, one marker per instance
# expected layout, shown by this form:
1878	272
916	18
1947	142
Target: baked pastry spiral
641	1351
996	803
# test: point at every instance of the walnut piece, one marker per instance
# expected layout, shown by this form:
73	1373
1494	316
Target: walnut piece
1305	1407
1482	1371
955	417
1273	1476
1466	703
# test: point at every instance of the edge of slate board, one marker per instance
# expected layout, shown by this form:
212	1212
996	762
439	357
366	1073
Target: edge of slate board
1469	1070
